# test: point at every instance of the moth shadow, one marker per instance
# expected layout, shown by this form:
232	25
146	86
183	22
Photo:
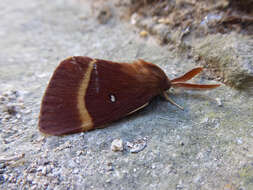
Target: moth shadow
195	96
143	112
159	107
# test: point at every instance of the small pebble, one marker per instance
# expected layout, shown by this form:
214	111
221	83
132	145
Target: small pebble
137	146
134	19
164	21
76	171
30	178
239	141
219	102
44	171
143	33
117	145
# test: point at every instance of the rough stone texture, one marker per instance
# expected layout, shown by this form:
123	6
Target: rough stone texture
230	56
207	146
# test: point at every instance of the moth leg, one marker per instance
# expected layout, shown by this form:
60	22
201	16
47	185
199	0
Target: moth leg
166	96
137	109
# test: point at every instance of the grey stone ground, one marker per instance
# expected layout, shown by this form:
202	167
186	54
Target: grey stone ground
207	146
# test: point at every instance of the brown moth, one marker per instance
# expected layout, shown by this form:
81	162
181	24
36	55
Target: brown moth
84	93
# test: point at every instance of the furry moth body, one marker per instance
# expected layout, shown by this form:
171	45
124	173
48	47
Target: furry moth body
85	93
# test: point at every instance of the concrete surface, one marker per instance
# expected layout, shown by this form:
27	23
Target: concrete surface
207	146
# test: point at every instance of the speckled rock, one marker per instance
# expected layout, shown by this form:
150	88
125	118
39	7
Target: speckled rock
230	58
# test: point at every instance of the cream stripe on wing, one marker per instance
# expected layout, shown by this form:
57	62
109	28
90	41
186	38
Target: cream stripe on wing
85	117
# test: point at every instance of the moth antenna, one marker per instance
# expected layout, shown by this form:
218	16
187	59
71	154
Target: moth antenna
171	101
189	75
194	86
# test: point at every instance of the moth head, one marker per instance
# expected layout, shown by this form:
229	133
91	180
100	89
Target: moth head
156	75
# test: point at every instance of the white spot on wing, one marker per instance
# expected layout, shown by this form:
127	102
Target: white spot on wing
112	98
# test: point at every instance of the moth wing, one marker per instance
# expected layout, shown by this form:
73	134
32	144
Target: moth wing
59	113
84	94
114	93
